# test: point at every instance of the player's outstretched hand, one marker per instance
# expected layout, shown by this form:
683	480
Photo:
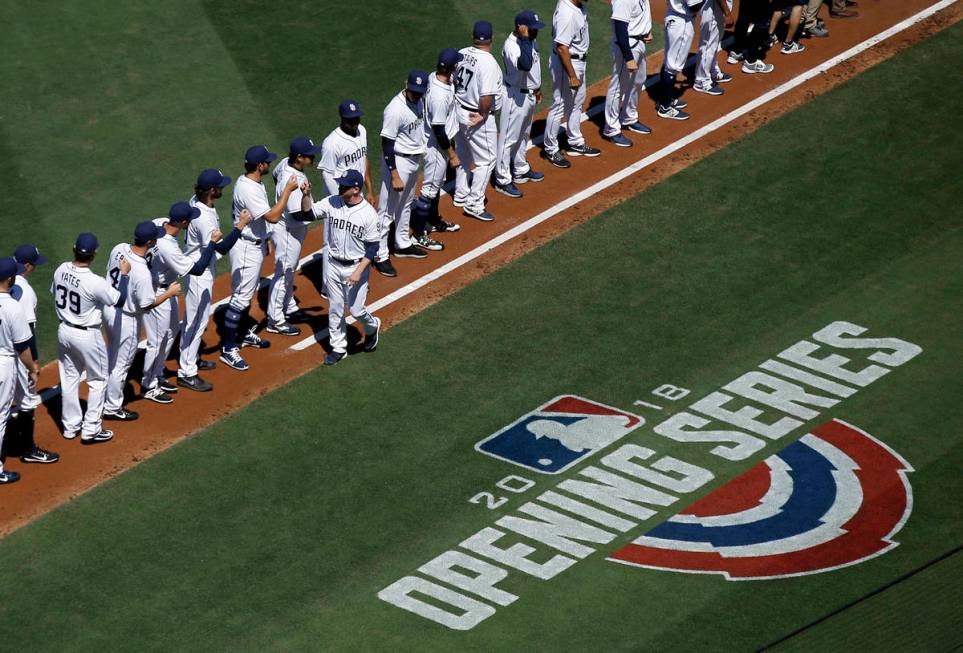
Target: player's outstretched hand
216	236
124	266
574	82
306	188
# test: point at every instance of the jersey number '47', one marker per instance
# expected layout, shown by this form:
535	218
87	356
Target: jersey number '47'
463	78
65	297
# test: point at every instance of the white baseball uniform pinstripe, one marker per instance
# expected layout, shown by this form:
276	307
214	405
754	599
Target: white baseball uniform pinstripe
476	76
79	300
123	324
515	122
622	99
679	30
570	28
404	122
25	396
439	110
247	255
710	38
346	230
288	236
200	288
341	152
162	324
14	330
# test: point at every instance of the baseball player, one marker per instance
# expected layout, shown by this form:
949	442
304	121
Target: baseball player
346	148
25	398
631	30
403	144
288	236
124	322
570	35
250	202
352	230
752	37
523	90
679	30
15	336
441	125
79	299
202	231
713	18
162	323
478	92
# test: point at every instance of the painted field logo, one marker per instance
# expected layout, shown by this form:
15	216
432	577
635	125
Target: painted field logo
833	498
560	433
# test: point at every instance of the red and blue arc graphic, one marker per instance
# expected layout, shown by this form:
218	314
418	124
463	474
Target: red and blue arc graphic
834	498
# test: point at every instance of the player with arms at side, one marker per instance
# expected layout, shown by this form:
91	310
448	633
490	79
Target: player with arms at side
715	17
679	30
631	30
346	148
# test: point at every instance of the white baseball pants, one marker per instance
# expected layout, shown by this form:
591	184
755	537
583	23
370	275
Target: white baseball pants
161	325
566	105
287	252
394	206
8	384
197	311
246	261
515	130
436	170
477	149
622	99
79	351
123	330
710	38
341	294
679	31
25	396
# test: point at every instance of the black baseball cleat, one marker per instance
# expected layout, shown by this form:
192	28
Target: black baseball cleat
385	268
195	383
157	395
7	477
40	456
283	329
121	415
582	150
371	339
299	315
206	365
556	159
334	357
252	339
97	438
411	251
167	386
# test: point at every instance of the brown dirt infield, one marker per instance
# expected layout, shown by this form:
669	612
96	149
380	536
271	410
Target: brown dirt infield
43	488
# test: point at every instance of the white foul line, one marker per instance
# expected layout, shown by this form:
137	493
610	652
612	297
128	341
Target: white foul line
639	165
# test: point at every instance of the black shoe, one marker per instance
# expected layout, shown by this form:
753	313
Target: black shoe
166	386
38	455
103	436
252	339
298	316
195	383
371	339
556	159
334	357
122	415
7	476
385	268
582	150
157	395
206	365
445	227
411	252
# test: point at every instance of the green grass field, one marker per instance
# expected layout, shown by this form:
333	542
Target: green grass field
276	528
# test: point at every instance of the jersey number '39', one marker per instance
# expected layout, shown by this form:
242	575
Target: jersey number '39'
63	297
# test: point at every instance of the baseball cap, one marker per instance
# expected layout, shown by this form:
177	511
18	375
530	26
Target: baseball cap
183	212
350	109
304	146
212	178
418	81
449	57
146	231
530	19
351	178
9	268
29	254
86	243
259	154
482	31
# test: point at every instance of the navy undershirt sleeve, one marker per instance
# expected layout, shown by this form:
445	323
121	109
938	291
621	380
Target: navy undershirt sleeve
226	243
371	250
440	136
122	289
622	38
203	261
388	152
525	59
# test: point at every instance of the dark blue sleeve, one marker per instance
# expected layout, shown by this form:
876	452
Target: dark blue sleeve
525	59
440	136
16	292
21	347
122	289
227	242
622	38
203	261
371	250
303	216
33	341
388	152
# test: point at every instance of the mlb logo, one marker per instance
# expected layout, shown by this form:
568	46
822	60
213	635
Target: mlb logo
557	435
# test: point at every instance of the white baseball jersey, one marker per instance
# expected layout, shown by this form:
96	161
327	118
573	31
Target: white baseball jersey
199	235
477	75
251	195
570	27
281	175
524	79
684	7
440	108
28	299
634	12
404	123
168	262
347	228
140	288
80	295
341	152
14	329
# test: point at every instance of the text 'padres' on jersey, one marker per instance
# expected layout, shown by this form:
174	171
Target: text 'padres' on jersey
347	228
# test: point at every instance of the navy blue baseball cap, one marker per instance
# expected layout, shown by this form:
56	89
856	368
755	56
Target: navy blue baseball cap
304	146
146	231
418	81
86	243
530	19
29	254
350	109
351	178
449	58
482	31
183	212
9	268
212	178
259	154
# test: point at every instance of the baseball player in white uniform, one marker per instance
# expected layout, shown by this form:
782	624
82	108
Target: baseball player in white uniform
679	30
523	90
403	144
631	30
346	148
570	35
353	233
288	236
26	399
79	300
15	338
162	323
708	74
479	92
252	214
124	322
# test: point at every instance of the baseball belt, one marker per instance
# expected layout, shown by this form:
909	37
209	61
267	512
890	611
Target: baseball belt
345	261
75	326
523	91
252	239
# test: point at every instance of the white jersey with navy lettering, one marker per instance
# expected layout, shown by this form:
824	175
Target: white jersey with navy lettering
250	195
440	108
281	175
80	295
570	27
636	13
14	328
404	123
168	262
28	298
341	152
478	75
347	228
685	7
199	235
140	288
